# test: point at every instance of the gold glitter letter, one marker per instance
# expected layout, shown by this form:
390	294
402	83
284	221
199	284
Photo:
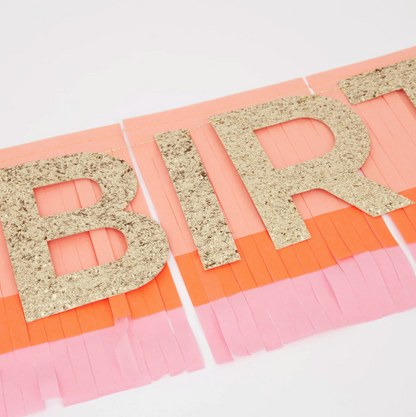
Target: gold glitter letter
375	83
336	172
41	292
199	203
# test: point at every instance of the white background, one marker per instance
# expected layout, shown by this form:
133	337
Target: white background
66	66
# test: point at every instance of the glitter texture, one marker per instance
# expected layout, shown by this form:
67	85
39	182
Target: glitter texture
199	203
375	83
336	172
41	292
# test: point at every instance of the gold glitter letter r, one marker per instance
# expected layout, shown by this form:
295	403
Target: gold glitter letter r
336	172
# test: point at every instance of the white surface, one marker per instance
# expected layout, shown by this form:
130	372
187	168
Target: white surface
79	64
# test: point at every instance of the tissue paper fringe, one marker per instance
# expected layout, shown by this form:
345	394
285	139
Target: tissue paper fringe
111	345
132	353
385	98
350	271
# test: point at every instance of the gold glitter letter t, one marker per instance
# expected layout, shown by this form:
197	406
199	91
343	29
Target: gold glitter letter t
375	83
41	292
336	172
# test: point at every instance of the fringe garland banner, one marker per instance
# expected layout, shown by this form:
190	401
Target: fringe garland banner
107	346
349	271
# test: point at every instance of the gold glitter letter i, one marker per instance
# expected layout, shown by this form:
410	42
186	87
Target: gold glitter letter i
199	203
41	292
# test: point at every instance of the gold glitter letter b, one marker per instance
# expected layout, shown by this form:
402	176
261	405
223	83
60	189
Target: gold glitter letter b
336	172
41	292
